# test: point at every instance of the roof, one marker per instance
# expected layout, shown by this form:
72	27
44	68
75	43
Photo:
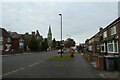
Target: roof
15	35
110	25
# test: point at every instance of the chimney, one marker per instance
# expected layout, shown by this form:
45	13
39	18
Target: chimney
100	29
33	33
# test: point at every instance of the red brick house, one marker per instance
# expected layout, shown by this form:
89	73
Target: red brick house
5	41
107	39
17	42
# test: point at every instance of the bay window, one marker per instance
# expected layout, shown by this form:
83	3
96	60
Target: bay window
1	38
1	47
113	46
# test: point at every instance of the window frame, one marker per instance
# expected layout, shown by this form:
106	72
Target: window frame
113	43
1	48
105	34
113	30
103	44
1	38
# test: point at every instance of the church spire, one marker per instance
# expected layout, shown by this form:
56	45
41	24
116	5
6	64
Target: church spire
49	32
49	38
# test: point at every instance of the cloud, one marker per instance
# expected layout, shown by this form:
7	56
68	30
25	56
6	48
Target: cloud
80	20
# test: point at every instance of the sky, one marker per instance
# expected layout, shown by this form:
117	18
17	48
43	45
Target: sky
81	20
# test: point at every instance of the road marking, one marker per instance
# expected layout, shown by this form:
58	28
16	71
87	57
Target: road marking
10	72
23	68
5	55
16	54
102	75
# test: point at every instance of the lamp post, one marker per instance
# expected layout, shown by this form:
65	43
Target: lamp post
61	33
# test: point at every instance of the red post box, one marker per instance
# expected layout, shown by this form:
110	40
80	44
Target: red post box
72	52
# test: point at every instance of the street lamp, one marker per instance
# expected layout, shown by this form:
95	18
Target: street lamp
61	33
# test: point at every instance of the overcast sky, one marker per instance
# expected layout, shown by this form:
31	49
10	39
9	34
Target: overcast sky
81	20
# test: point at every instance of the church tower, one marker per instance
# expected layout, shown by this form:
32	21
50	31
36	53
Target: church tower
49	38
49	33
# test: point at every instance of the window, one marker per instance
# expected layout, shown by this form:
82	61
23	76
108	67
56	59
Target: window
116	46
9	40
103	48
7	47
113	30
110	46
90	48
1	38
21	43
105	34
113	46
1	47
0	42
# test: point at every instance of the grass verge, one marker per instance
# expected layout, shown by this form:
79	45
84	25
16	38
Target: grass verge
61	59
66	52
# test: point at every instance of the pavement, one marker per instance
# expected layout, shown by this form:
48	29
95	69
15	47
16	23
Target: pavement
107	74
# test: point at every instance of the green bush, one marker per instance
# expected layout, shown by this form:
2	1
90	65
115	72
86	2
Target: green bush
58	58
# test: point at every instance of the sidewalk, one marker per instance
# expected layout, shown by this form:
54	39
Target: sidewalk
106	74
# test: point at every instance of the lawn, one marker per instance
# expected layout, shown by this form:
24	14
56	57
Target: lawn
61	59
66	52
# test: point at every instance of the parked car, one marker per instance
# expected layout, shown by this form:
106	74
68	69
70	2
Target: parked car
59	51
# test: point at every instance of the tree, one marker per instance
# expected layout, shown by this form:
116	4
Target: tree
54	43
69	43
26	43
44	45
80	48
34	44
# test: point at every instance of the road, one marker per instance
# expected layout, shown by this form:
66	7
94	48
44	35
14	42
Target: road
37	65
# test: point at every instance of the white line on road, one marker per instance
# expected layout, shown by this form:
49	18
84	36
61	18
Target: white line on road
16	54
102	75
23	68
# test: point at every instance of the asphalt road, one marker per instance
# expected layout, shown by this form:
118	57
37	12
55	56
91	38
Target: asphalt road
37	66
15	62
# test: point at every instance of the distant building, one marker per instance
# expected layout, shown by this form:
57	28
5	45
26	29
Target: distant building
39	37
12	42
27	38
17	42
49	38
5	41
